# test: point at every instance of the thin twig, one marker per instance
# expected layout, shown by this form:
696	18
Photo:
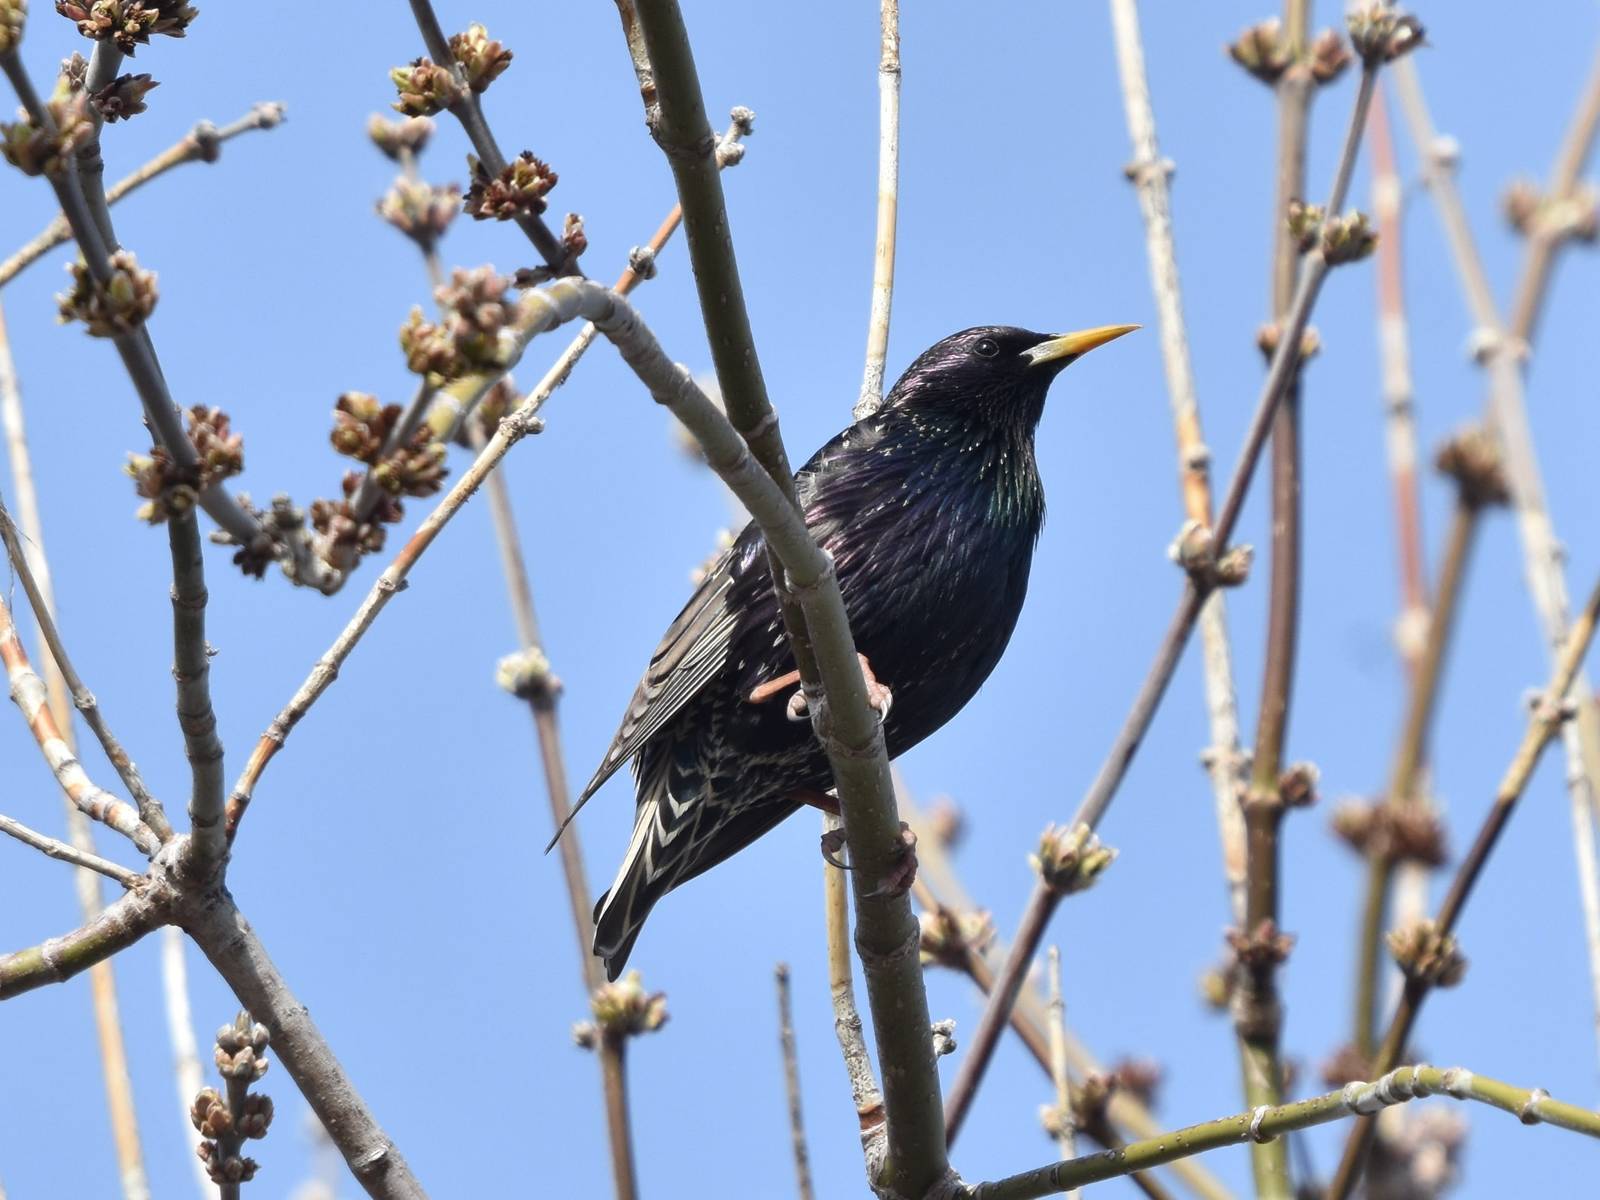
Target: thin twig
864	1091
1256	1007
186	1072
791	1085
28	691
1151	174
469	111
1065	1129
1531	1106
203	143
1552	710
1285	362
888	206
35	585
33	569
1534	284
60	850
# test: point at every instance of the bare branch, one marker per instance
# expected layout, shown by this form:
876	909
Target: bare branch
65	853
888	205
1531	1106
119	925
791	1083
191	667
203	143
27	689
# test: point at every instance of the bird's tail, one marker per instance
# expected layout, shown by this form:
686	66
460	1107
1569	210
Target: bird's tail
664	830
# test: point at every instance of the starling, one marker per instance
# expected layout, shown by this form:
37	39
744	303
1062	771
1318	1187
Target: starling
930	508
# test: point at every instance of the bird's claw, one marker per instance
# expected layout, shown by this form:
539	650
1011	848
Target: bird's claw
878	694
904	871
832	843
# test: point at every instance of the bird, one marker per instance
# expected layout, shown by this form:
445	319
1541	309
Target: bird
931	508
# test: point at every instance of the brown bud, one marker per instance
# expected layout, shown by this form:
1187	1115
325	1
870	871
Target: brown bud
527	675
1267	342
1427	954
1346	1065
220	451
13	16
35	152
123	97
128	23
1472	458
1381	33
1328	56
1297	786
1521	202
1263	50
624	1009
396	139
1305	222
210	1115
1349	238
421	211
1263	946
424	88
948	935
520	188
1070	860
256	1116
115	307
482	59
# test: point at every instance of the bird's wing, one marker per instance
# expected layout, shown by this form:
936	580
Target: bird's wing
734	607
736	593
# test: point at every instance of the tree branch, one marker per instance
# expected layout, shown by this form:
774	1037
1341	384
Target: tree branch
119	925
28	691
791	1086
191	667
203	143
888	205
65	853
1531	1106
469	111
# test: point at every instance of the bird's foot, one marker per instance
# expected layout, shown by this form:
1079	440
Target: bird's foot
878	694
904	871
832	843
815	798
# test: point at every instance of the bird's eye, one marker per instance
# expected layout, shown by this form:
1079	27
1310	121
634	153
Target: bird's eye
986	348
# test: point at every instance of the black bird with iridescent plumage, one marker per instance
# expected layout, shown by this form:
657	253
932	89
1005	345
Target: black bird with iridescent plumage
931	508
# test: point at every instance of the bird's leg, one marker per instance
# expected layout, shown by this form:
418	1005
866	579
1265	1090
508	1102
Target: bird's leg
878	694
833	839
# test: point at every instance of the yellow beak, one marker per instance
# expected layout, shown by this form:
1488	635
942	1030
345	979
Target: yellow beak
1071	345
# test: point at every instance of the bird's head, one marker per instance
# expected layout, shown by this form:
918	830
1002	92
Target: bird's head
993	373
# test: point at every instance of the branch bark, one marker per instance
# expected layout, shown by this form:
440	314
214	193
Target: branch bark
888	207
1531	1106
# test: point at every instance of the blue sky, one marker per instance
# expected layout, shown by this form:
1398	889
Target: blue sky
392	862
